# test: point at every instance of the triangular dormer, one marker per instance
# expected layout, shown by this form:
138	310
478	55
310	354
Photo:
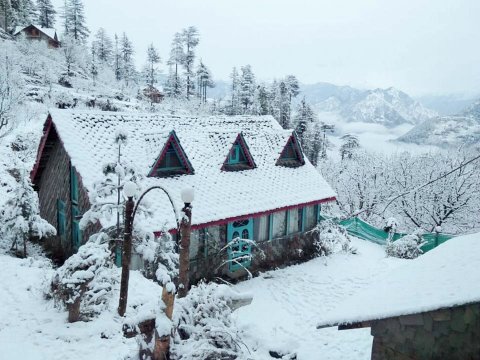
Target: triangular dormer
239	157
292	154
172	160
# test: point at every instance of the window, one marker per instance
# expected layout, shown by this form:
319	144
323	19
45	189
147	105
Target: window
279	225
295	221
239	157
61	220
76	232
310	217
172	160
261	228
291	155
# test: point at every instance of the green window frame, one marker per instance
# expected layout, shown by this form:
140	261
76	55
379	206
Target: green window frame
76	232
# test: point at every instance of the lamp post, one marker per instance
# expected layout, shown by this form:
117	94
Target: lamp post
129	189
185	231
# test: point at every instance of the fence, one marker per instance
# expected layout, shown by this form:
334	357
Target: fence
363	230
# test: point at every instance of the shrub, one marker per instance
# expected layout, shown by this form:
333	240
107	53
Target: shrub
205	329
407	247
84	283
331	237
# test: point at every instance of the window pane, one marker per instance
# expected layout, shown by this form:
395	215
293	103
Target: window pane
310	218
293	221
194	243
260	228
300	219
279	224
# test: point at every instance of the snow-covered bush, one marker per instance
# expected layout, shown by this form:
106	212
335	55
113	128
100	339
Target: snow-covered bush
331	237
407	247
83	284
204	327
20	215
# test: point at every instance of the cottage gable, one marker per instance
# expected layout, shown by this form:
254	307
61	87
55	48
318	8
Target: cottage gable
239	156
172	160
292	155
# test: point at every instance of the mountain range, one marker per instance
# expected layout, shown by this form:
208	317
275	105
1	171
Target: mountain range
462	129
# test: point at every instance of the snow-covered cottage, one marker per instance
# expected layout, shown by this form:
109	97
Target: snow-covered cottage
250	177
429	308
35	32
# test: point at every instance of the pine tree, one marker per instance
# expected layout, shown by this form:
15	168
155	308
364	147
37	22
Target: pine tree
204	81
127	68
151	69
247	87
235	88
262	100
190	39
22	13
350	143
303	118
46	13
284	119
103	46
74	20
116	64
174	85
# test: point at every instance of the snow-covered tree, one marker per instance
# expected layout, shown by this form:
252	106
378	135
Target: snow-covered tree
11	90
191	40
151	69
84	283
204	81
74	20
204	325
103	46
23	13
46	13
175	84
302	120
247	88
350	144
20	218
235	93
127	65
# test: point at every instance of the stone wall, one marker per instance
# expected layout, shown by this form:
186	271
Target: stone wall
54	184
452	333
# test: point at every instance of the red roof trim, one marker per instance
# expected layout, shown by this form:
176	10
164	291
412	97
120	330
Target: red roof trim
252	215
46	131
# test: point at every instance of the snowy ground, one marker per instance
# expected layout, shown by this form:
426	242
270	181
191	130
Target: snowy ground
289	303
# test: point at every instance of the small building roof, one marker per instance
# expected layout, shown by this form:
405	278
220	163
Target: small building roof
50	32
444	277
88	138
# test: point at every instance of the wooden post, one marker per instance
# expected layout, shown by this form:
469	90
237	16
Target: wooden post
161	350
184	270
126	257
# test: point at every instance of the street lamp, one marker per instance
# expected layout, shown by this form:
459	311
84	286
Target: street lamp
188	196
183	228
129	190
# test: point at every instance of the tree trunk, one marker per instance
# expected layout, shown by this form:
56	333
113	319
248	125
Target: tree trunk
162	343
184	270
126	257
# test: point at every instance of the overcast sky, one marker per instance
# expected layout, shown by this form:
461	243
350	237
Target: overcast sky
419	46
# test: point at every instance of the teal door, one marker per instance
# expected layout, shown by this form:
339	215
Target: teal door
239	253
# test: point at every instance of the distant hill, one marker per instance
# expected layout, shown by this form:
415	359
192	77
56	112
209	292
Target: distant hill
451	130
389	107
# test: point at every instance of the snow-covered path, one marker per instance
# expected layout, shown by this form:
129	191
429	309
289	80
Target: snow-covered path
31	328
288	303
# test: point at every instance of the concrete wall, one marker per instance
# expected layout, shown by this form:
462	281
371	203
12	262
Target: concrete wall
452	333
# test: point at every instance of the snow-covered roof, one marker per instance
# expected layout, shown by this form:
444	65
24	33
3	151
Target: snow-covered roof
444	277
88	138
50	32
